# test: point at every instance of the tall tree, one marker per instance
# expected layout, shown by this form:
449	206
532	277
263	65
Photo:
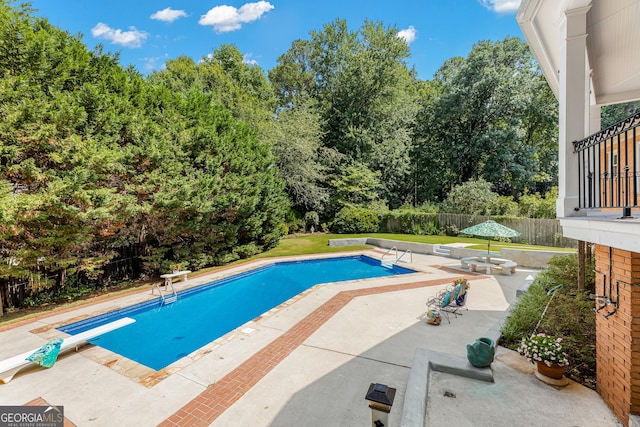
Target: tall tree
365	93
293	77
298	152
243	88
492	118
98	163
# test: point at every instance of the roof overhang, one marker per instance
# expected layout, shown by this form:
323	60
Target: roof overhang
613	43
607	231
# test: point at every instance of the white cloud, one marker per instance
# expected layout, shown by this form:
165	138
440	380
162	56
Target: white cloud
246	58
408	34
151	63
132	38
251	11
168	15
222	18
227	18
501	6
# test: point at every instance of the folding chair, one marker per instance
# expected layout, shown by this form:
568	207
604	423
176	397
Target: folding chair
451	299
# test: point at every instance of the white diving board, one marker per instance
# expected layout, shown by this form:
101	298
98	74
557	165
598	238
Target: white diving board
10	367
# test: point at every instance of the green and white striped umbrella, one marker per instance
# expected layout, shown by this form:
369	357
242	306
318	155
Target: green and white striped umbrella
490	229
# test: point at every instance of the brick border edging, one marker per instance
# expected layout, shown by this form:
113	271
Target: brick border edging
219	396
39	401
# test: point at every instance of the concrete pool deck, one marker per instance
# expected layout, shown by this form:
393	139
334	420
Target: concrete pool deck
308	362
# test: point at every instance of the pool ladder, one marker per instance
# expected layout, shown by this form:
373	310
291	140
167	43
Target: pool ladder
389	264
169	295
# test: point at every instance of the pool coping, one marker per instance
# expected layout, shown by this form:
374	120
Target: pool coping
187	390
205	408
149	377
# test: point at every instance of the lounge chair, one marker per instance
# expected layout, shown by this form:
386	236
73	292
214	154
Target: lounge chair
451	299
11	366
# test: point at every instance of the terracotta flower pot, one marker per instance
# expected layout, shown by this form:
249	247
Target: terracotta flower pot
554	371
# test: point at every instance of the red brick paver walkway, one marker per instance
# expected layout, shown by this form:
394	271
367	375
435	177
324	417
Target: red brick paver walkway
39	401
218	397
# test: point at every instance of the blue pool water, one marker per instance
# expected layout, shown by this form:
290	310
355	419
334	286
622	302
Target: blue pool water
162	335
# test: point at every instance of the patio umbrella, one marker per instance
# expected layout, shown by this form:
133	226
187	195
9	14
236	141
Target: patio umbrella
490	229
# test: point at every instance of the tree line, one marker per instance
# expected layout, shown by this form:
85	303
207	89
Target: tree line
101	164
108	174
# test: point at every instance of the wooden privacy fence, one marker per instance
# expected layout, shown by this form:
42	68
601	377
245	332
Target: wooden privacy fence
536	231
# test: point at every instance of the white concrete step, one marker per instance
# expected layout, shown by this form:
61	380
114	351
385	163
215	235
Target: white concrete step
443	250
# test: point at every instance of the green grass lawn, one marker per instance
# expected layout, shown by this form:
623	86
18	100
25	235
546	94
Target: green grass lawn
319	243
289	246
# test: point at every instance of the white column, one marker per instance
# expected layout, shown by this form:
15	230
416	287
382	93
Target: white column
574	113
595	119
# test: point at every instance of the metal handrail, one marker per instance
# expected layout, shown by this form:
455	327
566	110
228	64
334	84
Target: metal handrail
403	254
388	252
173	297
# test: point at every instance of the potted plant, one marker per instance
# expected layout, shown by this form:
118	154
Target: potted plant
547	353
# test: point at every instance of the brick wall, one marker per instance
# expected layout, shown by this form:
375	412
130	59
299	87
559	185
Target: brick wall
618	337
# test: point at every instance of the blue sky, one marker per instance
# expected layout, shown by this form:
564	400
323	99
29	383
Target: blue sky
147	33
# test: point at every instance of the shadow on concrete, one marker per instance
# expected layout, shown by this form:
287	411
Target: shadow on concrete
337	398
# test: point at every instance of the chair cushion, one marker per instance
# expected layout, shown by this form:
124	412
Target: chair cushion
446	299
460	300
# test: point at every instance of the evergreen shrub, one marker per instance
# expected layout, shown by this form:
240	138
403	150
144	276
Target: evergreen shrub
355	220
411	221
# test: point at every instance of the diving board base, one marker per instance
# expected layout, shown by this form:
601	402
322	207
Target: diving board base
10	367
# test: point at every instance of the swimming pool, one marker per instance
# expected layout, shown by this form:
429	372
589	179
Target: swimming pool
163	335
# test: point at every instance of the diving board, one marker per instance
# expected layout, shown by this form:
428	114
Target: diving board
11	366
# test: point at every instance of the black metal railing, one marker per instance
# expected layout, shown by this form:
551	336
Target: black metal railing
609	166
